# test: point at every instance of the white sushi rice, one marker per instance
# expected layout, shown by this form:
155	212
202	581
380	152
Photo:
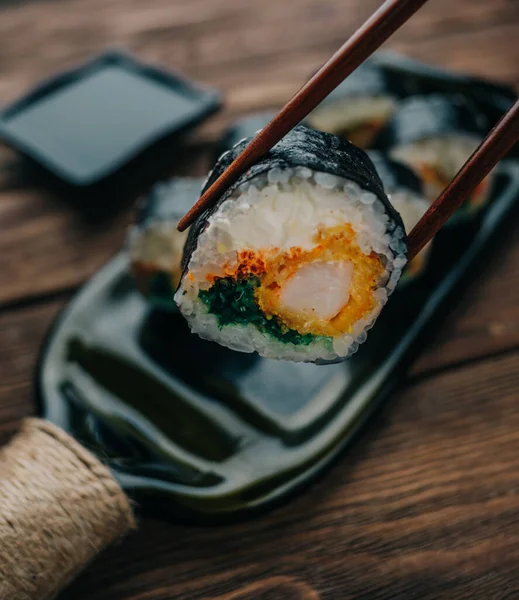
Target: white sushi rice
282	210
447	154
350	112
159	245
156	243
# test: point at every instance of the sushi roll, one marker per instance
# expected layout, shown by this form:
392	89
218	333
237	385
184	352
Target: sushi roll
405	191
155	245
435	135
297	259
420	79
359	107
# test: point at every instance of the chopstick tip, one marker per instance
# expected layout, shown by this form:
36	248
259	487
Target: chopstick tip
184	223
192	214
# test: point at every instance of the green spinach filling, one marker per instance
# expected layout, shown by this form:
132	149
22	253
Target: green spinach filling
233	302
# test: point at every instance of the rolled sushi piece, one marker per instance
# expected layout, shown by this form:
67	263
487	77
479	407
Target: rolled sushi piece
359	107
435	135
419	79
298	258
155	245
405	191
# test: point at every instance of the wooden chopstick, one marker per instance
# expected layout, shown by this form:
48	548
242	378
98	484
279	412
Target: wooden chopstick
368	38
491	150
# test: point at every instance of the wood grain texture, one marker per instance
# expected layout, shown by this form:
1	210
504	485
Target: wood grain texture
426	504
22	331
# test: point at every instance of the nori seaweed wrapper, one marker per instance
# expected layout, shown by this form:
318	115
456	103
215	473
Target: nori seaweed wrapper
301	147
419	79
421	117
395	174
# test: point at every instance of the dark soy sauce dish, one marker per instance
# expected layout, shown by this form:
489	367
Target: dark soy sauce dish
210	434
85	124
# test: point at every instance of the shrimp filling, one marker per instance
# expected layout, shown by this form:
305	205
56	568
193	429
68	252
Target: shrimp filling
320	292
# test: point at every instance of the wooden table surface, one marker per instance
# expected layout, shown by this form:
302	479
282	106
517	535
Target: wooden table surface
426	504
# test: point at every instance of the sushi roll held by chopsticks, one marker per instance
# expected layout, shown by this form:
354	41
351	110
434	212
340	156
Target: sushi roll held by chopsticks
297	259
294	247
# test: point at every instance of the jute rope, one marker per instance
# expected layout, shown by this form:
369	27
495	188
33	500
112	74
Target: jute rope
59	507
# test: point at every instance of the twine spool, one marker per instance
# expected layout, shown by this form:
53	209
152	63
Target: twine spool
59	507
